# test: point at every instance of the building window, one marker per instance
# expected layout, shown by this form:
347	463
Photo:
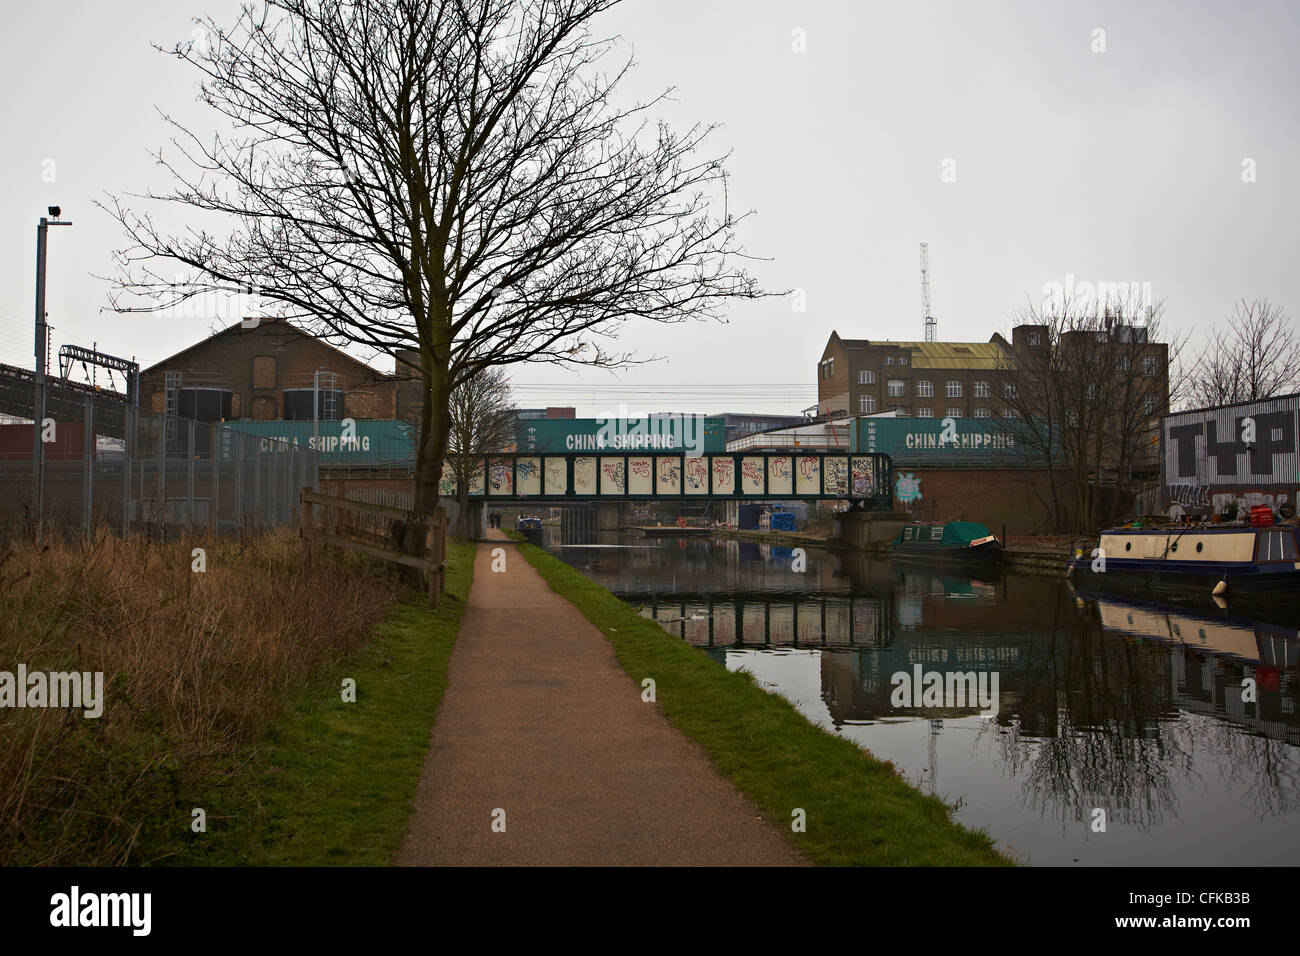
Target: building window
1090	393
955	413
1122	364
897	388
1010	413
981	389
1035	338
952	389
925	389
1009	390
866	404
925	412
263	371
902	360
1150	366
1149	405
889	360
866	378
982	413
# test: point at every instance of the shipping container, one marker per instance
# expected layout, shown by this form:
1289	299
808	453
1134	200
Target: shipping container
1210	457
692	433
366	441
950	442
68	444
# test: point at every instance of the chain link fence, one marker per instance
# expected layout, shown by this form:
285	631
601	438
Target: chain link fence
150	472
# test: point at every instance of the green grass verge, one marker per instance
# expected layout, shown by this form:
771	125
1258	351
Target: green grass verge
334	783
859	810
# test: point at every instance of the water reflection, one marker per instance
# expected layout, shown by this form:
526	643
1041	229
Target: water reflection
1180	722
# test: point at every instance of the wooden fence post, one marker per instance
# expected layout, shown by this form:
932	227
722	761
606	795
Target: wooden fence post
435	547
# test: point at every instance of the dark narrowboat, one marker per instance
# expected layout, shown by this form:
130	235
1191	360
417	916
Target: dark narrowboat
1224	561
946	541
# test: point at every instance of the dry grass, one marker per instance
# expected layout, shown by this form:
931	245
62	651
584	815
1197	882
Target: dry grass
195	668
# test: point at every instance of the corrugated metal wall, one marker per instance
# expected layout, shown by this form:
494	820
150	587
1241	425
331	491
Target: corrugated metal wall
1247	450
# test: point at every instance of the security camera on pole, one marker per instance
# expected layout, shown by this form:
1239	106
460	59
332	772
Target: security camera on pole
38	409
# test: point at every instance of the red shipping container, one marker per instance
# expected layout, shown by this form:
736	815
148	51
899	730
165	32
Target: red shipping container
69	438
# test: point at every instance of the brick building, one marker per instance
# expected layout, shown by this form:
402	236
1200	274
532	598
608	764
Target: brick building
924	379
272	372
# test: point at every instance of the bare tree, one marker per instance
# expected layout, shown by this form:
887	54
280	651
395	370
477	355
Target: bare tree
454	177
1084	404
1254	355
483	420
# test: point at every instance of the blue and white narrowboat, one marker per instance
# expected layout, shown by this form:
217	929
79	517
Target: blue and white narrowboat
1223	561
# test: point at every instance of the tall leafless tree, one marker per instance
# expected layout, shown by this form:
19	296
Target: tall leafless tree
1084	404
1254	354
456	177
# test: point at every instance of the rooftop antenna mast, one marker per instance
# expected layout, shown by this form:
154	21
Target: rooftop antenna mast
930	322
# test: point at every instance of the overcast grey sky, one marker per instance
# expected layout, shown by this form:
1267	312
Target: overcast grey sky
1122	165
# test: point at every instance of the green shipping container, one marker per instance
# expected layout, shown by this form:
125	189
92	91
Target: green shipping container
675	433
368	441
951	442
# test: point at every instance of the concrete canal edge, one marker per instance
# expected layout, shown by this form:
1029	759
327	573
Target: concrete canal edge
853	809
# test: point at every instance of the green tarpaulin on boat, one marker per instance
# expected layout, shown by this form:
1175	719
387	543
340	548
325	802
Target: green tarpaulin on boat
955	533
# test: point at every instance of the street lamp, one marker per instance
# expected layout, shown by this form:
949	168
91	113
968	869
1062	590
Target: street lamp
38	409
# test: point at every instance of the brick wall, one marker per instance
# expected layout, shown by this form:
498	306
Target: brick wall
991	496
283	358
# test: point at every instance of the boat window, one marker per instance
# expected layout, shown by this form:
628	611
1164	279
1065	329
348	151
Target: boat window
1277	546
1200	546
936	532
907	534
1128	545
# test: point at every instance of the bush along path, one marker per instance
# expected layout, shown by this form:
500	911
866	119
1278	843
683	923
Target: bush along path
855	810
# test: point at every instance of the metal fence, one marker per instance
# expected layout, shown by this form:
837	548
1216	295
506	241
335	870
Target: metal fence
160	473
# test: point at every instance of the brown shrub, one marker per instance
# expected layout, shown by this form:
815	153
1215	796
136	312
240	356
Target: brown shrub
196	666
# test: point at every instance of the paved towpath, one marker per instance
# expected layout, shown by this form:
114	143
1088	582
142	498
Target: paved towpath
539	720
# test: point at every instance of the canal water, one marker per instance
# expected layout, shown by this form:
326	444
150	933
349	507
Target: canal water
1096	731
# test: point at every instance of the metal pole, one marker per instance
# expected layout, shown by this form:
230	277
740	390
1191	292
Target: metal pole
162	474
215	434
189	483
239	479
126	469
38	400
88	465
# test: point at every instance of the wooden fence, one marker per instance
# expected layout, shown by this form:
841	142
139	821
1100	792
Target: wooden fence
344	521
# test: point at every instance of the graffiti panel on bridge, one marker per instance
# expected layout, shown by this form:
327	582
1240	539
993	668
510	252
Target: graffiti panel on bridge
668	476
611	476
724	476
584	476
640	479
697	476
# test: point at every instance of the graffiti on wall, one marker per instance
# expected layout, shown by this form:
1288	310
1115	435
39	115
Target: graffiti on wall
907	487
